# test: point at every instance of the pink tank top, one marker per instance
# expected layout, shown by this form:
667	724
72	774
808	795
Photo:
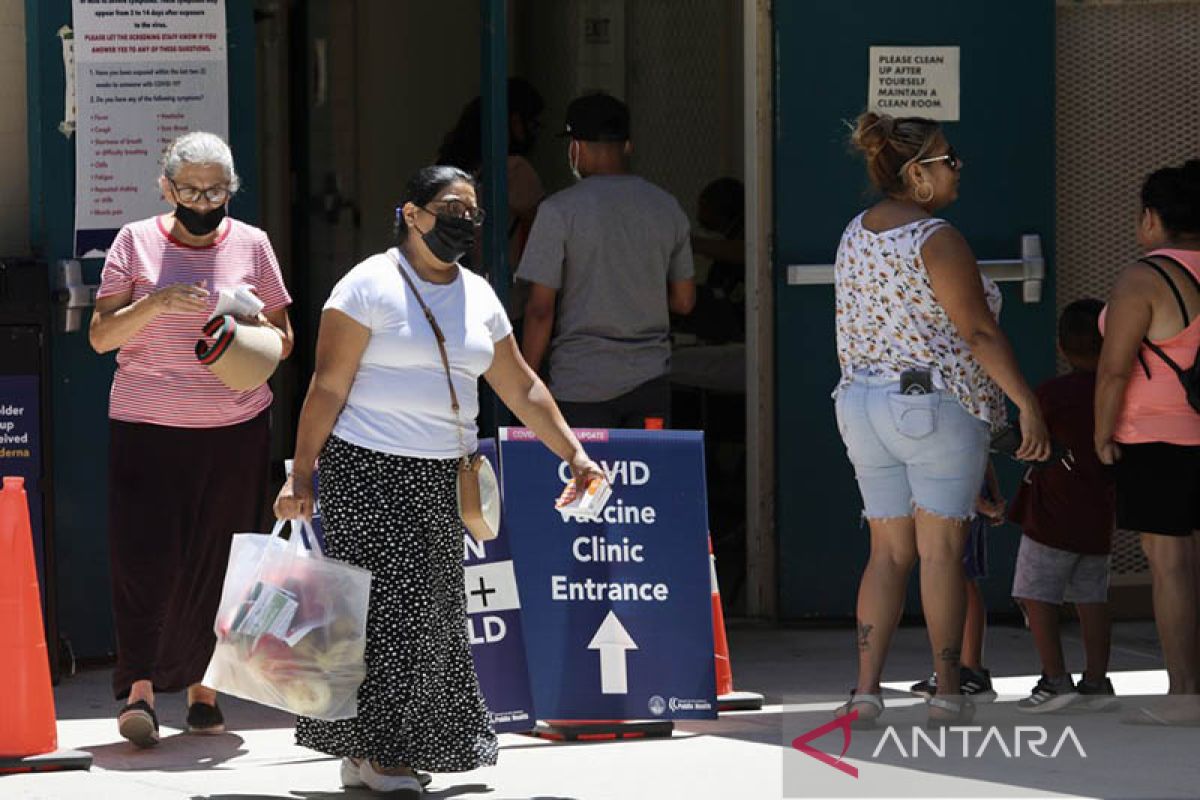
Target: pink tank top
1156	408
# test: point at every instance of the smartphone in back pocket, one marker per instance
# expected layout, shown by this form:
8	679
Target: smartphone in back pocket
916	381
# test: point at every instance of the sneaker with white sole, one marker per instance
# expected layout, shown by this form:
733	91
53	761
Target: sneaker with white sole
926	688
1096	696
1050	694
351	779
976	684
405	786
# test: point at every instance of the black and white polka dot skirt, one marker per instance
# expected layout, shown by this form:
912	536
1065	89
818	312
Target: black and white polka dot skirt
420	704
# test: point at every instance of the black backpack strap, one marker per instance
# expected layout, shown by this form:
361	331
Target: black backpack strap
1174	289
1182	268
1142	359
1158	351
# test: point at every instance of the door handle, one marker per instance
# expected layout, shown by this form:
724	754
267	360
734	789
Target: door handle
1029	269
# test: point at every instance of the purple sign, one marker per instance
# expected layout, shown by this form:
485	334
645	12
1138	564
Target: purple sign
21	449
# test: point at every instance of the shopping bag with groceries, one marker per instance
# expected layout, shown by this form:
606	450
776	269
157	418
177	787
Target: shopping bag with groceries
291	627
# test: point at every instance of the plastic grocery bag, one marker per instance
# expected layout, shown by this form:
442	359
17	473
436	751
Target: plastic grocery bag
291	628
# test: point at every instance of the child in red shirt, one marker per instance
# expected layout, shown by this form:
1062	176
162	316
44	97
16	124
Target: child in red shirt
1065	510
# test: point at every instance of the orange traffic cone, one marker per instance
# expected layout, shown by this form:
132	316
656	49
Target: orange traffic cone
27	728
727	698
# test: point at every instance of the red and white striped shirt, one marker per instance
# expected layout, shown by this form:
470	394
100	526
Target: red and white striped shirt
159	380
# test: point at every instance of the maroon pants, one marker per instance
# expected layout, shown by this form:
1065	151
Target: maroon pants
176	497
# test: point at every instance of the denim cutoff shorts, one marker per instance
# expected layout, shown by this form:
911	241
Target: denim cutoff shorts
911	451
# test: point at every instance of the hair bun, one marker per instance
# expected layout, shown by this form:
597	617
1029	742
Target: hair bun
872	132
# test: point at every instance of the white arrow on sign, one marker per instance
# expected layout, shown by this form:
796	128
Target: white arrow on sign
612	640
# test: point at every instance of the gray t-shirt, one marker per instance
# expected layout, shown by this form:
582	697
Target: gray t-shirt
609	245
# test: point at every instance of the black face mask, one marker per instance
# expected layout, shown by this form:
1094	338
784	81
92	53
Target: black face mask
450	239
199	223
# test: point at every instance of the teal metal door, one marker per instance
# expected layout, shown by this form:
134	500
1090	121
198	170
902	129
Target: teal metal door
1006	136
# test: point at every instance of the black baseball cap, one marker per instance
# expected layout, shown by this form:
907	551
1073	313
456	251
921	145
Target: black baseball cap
597	117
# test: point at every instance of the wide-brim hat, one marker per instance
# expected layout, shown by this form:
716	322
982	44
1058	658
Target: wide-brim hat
242	356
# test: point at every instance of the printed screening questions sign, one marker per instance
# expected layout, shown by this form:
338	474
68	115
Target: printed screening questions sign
620	610
914	82
146	71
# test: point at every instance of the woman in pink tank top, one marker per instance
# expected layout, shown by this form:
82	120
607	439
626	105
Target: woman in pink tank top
1145	426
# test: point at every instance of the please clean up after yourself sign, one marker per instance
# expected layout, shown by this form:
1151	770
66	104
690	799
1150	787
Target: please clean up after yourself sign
914	82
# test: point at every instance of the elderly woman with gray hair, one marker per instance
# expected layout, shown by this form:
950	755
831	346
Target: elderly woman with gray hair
188	456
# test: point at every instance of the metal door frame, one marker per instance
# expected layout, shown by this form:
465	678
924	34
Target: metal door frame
762	590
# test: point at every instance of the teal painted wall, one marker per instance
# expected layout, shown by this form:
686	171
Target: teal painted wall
82	378
1006	136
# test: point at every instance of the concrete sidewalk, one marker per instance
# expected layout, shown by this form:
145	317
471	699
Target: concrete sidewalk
742	755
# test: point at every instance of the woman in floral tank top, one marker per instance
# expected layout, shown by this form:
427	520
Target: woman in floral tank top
924	371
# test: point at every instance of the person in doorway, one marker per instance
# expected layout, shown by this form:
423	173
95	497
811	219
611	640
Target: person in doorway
924	368
720	313
975	680
1065	510
188	457
391	417
613	253
462	147
1146	427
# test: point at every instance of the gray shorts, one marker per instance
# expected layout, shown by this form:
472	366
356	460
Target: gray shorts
1057	576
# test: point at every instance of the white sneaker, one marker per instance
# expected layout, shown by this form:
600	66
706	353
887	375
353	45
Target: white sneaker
351	778
389	783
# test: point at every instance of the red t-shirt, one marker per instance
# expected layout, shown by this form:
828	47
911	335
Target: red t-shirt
159	380
1070	509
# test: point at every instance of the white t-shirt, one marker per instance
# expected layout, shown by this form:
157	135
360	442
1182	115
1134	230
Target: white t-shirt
399	402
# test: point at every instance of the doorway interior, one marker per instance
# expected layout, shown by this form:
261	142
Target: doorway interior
357	94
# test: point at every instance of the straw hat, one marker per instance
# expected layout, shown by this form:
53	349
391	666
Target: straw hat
242	356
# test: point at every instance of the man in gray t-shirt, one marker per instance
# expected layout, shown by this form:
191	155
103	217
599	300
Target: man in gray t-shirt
613	251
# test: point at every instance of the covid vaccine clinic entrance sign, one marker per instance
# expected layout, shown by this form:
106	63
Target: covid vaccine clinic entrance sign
618	611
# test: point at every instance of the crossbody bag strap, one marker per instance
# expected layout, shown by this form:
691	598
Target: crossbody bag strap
441	343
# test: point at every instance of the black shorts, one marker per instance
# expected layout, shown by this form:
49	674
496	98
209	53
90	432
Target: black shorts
1158	488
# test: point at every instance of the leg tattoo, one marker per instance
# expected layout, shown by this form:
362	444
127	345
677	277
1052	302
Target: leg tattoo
864	633
951	655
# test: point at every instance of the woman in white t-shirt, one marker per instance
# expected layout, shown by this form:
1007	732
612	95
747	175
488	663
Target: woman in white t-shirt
378	413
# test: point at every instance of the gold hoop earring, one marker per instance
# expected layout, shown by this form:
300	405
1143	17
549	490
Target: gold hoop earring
923	199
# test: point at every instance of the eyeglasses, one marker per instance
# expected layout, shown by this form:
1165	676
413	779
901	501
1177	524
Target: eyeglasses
216	195
950	157
459	210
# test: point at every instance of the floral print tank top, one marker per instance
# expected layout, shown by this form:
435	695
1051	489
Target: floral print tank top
888	319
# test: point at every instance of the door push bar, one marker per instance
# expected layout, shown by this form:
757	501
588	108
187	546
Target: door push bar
71	295
1029	269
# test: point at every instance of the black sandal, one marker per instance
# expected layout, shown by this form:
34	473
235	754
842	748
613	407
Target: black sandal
138	723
